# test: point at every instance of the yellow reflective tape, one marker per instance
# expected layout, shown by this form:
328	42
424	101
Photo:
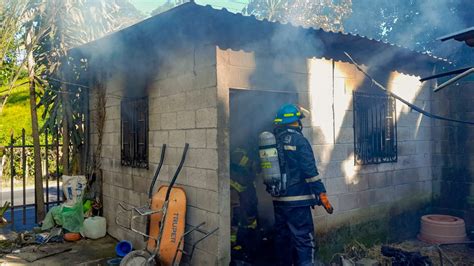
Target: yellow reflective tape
253	225
266	165
289	148
312	179
278	120
294	198
298	114
243	162
237	247
237	186
288	115
233	238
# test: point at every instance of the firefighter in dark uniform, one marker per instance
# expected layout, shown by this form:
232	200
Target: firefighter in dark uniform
243	205
304	189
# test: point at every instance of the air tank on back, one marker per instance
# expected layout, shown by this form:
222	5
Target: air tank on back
269	163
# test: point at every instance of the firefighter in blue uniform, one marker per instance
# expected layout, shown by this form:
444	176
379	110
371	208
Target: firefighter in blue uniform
304	190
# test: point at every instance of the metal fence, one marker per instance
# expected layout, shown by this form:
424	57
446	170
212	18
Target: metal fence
20	193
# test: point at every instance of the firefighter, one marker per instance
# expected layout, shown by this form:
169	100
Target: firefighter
304	189
244	205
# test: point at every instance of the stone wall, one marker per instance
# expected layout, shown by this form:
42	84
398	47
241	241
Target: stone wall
182	108
453	152
360	194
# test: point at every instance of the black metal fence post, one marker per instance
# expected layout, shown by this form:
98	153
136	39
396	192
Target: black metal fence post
18	154
57	164
46	163
12	173
23	166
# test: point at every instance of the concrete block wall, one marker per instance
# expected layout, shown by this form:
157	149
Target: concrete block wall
182	99
359	193
453	151
189	102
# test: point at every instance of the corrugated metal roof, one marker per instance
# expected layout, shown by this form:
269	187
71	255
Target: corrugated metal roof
191	23
461	35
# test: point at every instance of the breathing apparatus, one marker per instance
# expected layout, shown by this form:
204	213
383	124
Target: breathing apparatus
271	153
271	164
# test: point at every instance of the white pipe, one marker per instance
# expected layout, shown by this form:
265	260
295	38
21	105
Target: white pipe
454	79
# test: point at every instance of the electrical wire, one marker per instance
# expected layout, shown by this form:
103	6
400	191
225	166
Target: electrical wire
412	106
107	95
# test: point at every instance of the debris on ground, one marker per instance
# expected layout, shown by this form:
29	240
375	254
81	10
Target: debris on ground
85	251
367	262
355	251
62	222
32	253
401	257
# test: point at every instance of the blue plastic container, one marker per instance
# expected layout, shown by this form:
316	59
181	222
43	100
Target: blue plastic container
123	248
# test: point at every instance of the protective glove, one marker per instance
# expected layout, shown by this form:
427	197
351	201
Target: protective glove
323	199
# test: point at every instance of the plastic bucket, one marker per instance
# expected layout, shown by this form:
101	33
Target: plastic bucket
123	248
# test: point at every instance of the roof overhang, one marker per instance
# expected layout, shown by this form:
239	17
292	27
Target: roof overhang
466	35
203	24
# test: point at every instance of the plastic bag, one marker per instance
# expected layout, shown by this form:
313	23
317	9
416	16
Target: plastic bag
73	218
70	218
53	217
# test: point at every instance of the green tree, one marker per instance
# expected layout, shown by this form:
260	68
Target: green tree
326	14
11	14
82	22
38	19
47	29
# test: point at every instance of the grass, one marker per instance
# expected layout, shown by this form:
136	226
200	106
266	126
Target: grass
16	113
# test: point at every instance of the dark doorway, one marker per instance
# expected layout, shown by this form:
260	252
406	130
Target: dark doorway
252	112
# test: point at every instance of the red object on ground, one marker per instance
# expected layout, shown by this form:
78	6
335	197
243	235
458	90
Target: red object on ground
71	237
440	229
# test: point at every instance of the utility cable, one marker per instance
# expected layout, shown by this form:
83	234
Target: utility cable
108	95
412	106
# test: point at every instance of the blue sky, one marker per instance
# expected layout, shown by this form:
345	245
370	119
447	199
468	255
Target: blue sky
232	5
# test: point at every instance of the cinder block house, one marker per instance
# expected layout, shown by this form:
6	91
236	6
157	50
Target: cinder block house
214	79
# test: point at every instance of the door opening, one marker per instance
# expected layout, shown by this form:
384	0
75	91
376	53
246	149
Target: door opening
251	112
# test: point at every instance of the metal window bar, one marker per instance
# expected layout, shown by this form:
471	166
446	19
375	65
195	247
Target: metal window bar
375	139
134	132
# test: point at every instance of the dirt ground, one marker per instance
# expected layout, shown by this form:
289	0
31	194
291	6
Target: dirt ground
83	252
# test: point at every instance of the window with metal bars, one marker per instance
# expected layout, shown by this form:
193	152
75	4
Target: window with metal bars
375	128
134	132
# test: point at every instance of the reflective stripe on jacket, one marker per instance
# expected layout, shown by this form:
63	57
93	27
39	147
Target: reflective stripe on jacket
303	185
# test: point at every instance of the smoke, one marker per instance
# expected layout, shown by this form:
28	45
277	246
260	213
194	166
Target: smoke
414	24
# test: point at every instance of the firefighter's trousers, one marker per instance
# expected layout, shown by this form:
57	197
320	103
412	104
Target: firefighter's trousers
294	239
